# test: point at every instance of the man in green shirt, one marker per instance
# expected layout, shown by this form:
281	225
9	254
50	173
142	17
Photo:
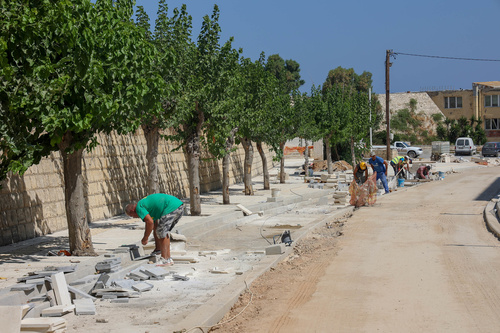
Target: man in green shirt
160	212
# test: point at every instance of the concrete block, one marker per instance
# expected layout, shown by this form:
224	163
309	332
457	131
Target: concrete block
275	199
84	307
275	249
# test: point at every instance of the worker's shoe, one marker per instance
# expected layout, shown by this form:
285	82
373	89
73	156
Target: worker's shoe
155	252
165	262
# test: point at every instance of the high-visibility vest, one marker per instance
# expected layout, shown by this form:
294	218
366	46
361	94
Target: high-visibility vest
396	159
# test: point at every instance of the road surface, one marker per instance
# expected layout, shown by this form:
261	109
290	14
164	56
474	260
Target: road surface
420	260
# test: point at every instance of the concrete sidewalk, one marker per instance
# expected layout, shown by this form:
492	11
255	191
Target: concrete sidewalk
229	249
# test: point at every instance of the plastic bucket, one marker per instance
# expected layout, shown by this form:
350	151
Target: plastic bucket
401	182
441	174
275	192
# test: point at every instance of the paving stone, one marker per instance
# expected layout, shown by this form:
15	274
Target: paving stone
120	300
84	307
10	318
23	287
84	280
58	310
79	294
155	272
143	286
60	289
125	284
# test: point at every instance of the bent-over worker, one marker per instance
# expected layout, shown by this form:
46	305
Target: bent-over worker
423	172
360	173
160	212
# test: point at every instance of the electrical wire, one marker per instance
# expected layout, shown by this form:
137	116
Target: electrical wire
226	321
442	57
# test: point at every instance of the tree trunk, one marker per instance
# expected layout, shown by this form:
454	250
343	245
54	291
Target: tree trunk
329	154
226	166
306	161
80	239
282	163
247	166
193	155
353	154
225	179
151	133
265	171
193	151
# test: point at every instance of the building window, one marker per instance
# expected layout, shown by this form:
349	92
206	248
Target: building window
492	124
491	101
453	102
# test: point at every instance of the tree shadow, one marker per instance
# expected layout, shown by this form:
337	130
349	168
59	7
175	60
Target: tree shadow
491	191
21	214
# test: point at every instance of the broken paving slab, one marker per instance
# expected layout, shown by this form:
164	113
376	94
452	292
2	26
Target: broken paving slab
84	307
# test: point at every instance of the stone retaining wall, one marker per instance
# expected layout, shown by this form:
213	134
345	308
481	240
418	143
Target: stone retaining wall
115	174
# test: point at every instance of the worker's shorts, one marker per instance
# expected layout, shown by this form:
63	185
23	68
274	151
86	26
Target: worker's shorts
166	223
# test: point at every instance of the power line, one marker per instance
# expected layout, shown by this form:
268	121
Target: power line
441	57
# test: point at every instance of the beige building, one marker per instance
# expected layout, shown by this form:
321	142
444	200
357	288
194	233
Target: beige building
482	101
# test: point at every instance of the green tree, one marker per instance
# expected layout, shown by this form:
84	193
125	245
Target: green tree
288	75
202	84
352	99
70	70
258	87
287	72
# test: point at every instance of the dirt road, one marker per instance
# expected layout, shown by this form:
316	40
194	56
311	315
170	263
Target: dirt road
420	260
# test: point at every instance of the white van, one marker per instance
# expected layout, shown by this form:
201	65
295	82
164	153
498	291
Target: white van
465	146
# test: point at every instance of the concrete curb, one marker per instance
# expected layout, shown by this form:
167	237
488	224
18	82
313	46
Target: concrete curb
209	314
491	218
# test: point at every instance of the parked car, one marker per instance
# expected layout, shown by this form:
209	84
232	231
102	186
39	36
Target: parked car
405	149
465	146
491	149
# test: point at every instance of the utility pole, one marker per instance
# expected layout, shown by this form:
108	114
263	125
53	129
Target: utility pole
370	106
387	95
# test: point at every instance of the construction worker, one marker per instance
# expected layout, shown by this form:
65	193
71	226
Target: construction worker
398	164
379	165
423	172
360	173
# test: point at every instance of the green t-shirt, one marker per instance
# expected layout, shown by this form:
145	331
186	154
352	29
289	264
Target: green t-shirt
157	205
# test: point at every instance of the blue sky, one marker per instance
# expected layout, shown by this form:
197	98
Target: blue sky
322	35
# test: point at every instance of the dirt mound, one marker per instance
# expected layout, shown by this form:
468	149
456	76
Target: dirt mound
337	166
